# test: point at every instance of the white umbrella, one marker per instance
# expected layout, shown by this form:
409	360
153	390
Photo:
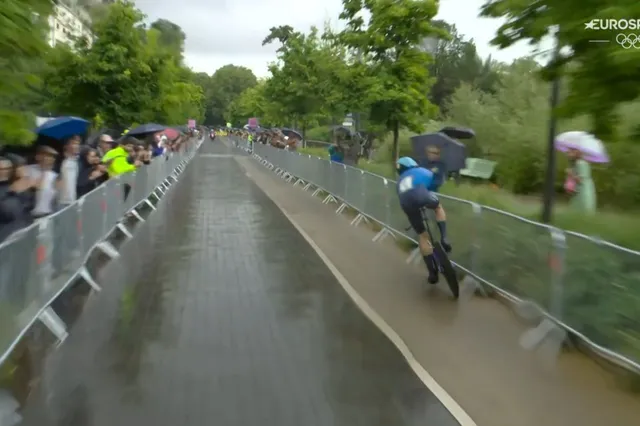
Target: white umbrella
592	148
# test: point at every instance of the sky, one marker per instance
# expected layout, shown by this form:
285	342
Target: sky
221	32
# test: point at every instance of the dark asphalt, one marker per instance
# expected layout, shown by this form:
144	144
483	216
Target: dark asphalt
219	313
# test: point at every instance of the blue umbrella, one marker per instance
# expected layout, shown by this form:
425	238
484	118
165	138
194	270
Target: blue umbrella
146	128
63	127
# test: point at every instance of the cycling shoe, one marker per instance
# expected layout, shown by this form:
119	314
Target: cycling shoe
446	246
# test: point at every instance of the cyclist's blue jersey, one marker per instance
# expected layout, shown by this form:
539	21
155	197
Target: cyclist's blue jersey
414	178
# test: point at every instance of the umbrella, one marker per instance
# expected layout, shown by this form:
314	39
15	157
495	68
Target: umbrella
458	132
172	134
145	129
452	153
291	133
591	148
63	127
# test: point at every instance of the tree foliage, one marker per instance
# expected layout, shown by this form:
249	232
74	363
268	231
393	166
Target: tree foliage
456	61
22	45
222	88
171	35
127	74
305	77
601	75
390	44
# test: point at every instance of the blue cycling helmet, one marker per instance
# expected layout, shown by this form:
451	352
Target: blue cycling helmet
404	164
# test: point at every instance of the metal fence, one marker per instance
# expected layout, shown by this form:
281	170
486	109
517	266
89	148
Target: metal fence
37	263
589	287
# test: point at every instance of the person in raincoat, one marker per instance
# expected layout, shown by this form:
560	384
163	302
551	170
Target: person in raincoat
579	183
438	167
117	159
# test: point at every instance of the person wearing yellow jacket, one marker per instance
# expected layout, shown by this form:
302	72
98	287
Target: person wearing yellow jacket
117	159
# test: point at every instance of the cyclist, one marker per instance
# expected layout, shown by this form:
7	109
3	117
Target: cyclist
413	191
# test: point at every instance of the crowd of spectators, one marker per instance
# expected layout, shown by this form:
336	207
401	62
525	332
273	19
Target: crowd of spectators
57	178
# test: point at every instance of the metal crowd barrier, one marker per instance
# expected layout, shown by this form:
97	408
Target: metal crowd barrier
39	262
570	283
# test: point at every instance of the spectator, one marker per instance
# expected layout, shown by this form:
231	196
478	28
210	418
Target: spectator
437	167
335	154
120	160
579	183
47	182
17	196
105	144
91	172
143	154
158	147
69	172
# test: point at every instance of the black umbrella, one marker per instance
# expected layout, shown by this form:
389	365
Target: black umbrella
452	153
458	132
146	129
291	133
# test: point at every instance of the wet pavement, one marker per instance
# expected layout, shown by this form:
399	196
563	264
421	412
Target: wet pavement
219	313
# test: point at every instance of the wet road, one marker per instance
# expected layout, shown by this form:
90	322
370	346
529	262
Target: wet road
220	313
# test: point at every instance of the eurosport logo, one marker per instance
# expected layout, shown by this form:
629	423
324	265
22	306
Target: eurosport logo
628	41
613	24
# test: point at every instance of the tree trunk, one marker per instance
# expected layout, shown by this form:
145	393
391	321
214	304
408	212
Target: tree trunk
396	136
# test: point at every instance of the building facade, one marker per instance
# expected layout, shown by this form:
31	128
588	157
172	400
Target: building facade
68	23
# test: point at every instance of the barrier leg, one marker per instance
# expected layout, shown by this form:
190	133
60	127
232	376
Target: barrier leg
341	209
124	230
135	214
85	275
56	326
329	199
108	249
150	204
547	339
359	219
382	234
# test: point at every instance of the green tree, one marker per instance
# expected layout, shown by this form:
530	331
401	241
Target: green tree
253	102
126	75
171	35
180	96
226	84
306	80
389	43
23	43
456	61
602	76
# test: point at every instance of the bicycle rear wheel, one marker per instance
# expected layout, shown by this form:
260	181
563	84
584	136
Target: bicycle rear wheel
447	269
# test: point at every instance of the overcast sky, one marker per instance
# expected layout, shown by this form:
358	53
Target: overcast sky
221	32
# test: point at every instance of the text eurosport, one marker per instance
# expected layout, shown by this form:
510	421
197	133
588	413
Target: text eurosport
613	24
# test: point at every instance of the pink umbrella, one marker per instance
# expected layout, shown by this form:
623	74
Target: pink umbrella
172	134
592	149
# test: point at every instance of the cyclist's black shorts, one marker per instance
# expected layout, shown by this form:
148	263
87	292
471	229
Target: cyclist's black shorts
412	203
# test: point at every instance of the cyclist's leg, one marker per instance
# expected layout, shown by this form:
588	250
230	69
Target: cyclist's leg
433	203
413	209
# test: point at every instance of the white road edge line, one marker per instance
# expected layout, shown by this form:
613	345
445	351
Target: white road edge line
449	403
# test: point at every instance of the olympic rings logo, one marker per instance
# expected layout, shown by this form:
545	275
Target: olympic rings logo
627	41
